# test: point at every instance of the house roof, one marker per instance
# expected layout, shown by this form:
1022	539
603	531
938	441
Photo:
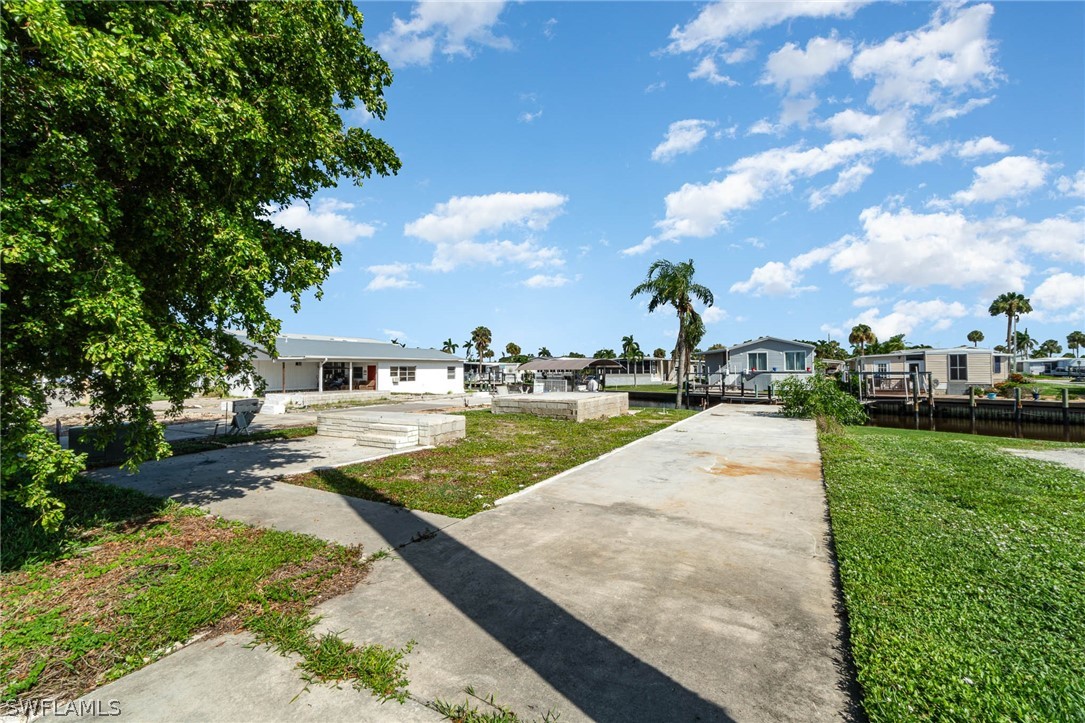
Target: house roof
301	346
951	350
760	339
567	364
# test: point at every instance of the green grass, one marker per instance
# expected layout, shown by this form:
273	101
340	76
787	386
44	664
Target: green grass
1052	390
963	571
128	577
667	388
501	454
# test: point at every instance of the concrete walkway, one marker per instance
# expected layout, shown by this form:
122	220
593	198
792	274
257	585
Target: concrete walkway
684	577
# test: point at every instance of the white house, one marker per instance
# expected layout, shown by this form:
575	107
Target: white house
309	363
952	371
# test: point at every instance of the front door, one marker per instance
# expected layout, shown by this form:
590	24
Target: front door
916	368
371	375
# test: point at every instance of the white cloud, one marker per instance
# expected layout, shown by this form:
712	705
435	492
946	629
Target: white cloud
323	222
542	281
796	111
861	301
949	56
653	87
923	250
772	279
848	181
548	27
713	314
764	127
394	334
907	316
527	117
724	19
981	147
464	217
390	276
949	111
1011	176
740	55
1059	292
707	69
794	70
451	28
1072	186
682	137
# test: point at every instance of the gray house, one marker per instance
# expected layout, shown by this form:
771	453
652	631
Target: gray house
760	363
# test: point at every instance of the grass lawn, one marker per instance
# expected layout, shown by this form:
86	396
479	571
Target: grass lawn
1052	389
128	576
501	454
963	572
668	388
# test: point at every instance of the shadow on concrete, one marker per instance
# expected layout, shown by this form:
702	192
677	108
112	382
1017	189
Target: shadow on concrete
603	680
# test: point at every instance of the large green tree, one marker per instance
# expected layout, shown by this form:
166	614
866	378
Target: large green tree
862	335
975	337
1049	348
143	146
481	337
1012	305
631	353
670	284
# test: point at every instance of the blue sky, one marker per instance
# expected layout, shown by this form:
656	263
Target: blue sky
824	164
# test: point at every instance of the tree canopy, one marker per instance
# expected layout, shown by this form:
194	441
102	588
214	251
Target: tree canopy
144	146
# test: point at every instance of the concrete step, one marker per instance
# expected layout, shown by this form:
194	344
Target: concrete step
387	441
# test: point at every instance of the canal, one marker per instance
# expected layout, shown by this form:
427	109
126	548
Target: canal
1051	431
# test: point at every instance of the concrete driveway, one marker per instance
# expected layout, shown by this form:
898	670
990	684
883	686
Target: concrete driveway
685	577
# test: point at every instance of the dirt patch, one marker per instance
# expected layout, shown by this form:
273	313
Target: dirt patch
781	468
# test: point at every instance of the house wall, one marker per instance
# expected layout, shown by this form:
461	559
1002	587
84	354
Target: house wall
299	376
431	377
774	351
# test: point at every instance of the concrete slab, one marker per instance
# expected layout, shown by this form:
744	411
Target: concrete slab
577	406
241	483
1073	457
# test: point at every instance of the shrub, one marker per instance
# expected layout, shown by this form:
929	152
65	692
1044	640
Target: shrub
818	396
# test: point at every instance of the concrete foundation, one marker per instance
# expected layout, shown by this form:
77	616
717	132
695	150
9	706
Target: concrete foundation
393	430
576	406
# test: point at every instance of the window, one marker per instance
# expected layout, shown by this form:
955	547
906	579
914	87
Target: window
452	372
998	364
758	361
402	374
958	367
881	369
795	361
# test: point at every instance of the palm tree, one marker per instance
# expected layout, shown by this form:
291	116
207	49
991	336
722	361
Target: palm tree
659	353
631	352
975	337
1049	348
544	352
1075	340
605	354
449	347
1013	305
860	336
513	350
1024	343
669	284
467	347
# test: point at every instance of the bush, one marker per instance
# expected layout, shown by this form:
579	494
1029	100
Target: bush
819	397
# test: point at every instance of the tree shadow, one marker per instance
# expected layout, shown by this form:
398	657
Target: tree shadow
602	679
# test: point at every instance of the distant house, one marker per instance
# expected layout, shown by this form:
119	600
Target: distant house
952	371
308	363
561	373
1052	365
760	363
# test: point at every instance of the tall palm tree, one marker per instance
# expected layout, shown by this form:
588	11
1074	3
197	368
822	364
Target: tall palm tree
481	337
1013	305
449	346
467	347
1075	340
1024	343
669	284
860	336
544	352
513	350
1049	348
975	337
631	352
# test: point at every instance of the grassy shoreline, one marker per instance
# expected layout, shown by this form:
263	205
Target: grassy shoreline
963	572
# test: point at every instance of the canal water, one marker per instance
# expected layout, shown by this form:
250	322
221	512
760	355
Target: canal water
1054	432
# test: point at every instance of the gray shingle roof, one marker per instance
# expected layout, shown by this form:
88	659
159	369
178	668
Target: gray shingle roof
302	347
561	364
